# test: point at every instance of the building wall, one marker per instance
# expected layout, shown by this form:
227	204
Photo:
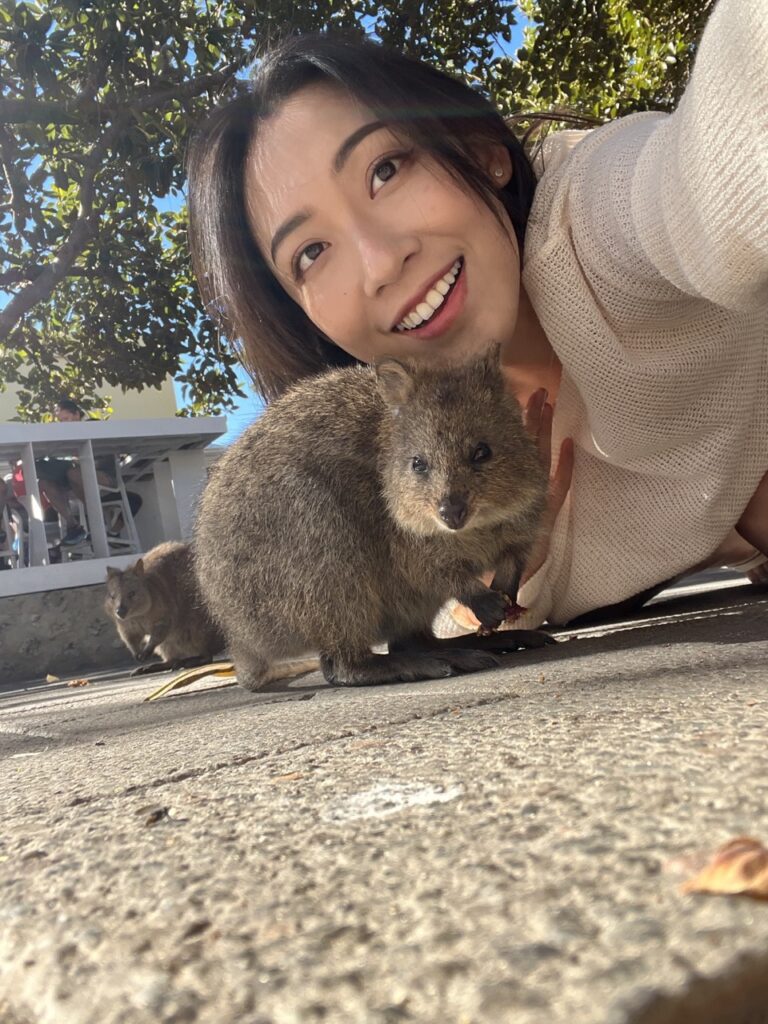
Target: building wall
128	405
61	632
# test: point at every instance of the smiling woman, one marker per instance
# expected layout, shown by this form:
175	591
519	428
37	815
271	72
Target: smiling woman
359	148
354	204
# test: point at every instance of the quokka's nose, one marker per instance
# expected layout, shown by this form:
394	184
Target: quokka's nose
453	511
121	611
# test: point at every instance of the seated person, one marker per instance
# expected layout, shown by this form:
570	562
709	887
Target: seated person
60	479
67	411
55	493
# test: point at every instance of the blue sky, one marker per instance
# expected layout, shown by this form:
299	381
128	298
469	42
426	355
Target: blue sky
248	408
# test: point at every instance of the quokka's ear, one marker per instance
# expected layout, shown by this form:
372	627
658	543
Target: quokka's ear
395	381
492	357
139	567
489	366
112	572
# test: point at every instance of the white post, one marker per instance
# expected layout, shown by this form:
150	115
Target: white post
38	542
188	471
169	516
92	494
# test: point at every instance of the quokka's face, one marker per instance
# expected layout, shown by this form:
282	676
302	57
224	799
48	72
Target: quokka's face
458	484
462	457
127	596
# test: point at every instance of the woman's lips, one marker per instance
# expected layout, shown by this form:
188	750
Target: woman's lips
447	313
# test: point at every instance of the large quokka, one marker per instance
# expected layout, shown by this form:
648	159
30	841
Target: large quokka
356	506
157	609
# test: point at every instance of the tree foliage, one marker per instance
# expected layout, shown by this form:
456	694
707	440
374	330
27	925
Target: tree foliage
605	58
97	102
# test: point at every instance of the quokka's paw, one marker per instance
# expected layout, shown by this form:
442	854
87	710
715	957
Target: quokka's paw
491	609
498	607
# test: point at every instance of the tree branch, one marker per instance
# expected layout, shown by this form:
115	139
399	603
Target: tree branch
159	97
34	111
59	267
13	277
18	111
88	110
17	180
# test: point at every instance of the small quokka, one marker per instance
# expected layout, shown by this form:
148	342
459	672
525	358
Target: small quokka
157	609
358	504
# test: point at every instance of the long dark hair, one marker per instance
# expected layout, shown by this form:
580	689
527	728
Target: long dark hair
277	343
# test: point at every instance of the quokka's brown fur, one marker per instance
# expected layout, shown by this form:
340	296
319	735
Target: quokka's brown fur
157	609
318	532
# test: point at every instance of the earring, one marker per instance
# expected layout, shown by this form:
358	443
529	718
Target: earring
498	171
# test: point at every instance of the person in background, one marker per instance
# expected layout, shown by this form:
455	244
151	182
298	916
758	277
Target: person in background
67	411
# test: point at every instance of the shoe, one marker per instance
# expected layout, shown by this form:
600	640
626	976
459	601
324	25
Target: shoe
74	535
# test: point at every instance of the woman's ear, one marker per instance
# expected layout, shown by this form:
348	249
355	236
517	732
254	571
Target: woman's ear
497	164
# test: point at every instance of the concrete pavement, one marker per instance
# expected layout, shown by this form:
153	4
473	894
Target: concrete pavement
506	846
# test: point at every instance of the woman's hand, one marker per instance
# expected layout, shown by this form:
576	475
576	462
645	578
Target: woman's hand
538	422
753	525
537	418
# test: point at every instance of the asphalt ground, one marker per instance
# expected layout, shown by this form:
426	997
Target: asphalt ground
505	846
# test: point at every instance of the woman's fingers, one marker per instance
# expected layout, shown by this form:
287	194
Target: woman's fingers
533	412
560	481
759	574
559	485
545	436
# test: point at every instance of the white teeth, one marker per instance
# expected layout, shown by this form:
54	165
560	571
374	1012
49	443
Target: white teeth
432	301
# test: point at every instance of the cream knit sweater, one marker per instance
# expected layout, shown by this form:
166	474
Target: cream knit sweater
646	260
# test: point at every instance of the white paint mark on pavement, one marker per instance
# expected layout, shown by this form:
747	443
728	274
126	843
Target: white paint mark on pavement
389	798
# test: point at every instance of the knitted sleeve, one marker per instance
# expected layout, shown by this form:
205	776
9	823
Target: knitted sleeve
662	204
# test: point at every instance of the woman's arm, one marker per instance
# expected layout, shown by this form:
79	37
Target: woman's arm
659	205
700	191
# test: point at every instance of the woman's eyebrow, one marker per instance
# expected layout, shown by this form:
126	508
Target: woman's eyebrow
357	136
341	157
285	229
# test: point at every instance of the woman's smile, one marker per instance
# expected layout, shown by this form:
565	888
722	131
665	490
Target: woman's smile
439	306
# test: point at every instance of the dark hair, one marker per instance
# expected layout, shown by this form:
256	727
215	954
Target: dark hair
69	406
272	335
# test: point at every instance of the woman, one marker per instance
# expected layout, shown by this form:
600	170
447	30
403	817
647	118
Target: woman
355	204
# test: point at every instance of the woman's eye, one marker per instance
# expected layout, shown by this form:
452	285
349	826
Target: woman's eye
384	171
307	257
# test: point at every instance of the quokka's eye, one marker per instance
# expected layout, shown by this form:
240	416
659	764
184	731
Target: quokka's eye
481	453
419	464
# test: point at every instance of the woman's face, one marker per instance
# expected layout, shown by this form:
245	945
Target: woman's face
381	249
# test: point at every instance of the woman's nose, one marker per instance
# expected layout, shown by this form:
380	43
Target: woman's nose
383	255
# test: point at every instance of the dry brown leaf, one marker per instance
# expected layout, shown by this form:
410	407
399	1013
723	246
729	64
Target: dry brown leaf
79	682
52	679
739	866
